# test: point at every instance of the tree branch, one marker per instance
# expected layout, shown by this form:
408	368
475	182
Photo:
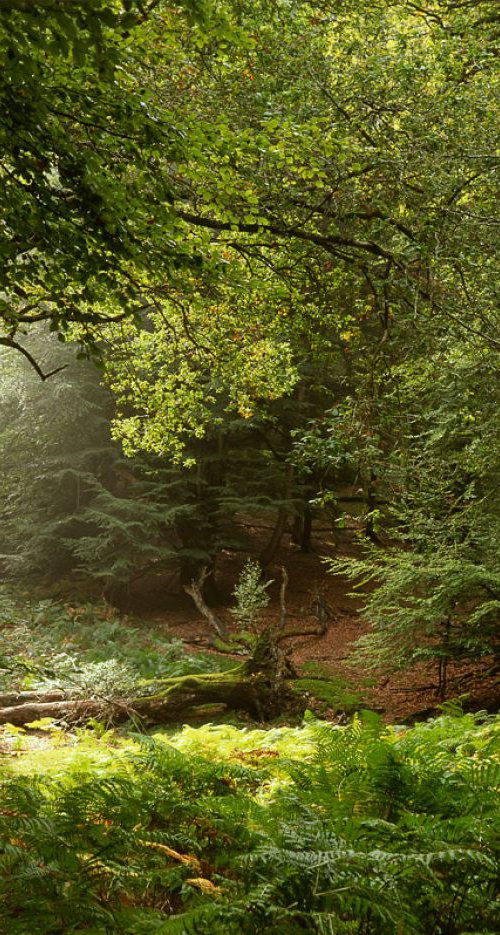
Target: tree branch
9	342
195	591
328	243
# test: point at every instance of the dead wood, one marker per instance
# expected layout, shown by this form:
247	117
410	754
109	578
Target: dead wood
300	631
58	710
18	698
195	591
320	609
257	688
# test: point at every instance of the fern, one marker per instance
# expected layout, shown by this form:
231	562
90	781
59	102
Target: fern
371	830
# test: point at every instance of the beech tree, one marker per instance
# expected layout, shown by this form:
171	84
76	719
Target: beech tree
84	206
143	141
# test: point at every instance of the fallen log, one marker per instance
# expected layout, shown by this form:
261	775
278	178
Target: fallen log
161	701
259	686
18	698
66	710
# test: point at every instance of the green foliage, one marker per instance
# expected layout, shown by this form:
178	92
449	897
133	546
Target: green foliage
188	385
54	444
86	649
285	218
285	198
69	502
435	606
312	223
251	596
434	594
317	830
79	140
72	505
335	693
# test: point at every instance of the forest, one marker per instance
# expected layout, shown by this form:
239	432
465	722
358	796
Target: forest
250	460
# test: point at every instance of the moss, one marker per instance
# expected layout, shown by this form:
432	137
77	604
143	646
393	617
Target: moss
332	691
160	689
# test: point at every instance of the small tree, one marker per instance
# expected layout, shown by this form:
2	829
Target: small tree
436	606
251	596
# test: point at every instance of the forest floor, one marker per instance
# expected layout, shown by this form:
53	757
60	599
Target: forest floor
398	697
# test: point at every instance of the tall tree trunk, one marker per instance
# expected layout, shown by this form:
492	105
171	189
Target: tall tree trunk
302	528
269	552
306	543
199	531
371	503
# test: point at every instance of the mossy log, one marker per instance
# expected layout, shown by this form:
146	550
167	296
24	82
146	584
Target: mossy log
259	686
160	701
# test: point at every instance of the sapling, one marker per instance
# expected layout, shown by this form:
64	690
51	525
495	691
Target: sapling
251	596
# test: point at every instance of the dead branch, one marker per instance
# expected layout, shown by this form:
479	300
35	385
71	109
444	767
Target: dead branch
195	591
300	631
321	610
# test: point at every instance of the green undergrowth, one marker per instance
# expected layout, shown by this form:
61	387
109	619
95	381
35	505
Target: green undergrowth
329	692
87	649
219	829
334	693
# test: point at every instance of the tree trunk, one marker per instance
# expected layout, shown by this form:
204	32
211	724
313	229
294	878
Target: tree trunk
267	555
269	552
371	503
199	530
306	543
302	529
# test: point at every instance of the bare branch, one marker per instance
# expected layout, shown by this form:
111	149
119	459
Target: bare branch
9	342
195	590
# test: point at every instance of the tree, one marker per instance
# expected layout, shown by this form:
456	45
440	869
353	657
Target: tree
437	589
69	502
72	505
114	194
352	192
80	136
54	444
277	193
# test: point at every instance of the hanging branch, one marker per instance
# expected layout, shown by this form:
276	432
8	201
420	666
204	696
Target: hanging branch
9	342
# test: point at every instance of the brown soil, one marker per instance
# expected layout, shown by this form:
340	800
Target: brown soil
399	697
